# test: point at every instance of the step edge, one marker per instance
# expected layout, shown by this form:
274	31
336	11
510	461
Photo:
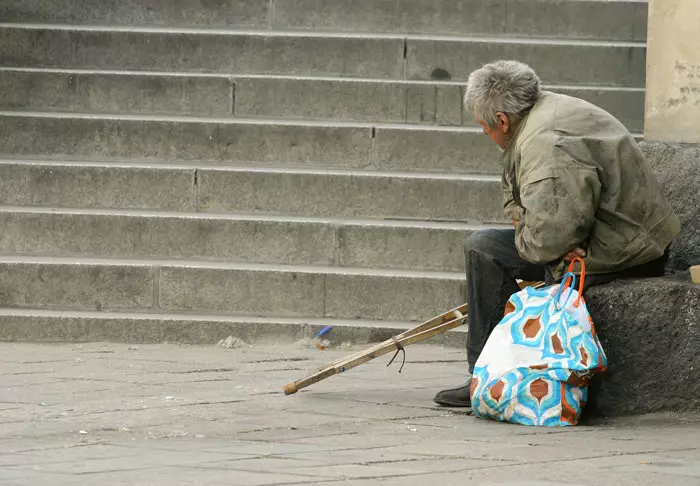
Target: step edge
330	172
294	33
294	77
246	217
231	266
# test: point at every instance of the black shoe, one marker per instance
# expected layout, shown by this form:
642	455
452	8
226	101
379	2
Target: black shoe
455	397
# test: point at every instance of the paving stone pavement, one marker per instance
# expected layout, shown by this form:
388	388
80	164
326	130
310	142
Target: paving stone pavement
114	414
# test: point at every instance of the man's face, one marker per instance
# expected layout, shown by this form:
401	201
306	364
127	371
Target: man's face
499	133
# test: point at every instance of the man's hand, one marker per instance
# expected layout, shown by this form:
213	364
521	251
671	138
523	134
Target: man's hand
576	252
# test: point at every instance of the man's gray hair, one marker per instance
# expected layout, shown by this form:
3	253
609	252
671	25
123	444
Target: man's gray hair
511	87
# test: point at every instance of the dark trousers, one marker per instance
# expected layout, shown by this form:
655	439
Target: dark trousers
493	265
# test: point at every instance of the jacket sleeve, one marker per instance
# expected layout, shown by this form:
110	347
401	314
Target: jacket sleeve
559	213
512	210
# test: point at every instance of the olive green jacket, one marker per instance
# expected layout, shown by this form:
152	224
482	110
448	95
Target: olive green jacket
575	177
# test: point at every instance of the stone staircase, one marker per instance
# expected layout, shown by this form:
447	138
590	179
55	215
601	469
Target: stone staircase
187	170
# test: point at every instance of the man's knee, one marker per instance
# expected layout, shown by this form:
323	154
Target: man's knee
486	241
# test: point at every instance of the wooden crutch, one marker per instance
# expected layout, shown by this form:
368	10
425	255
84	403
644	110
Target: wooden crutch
437	325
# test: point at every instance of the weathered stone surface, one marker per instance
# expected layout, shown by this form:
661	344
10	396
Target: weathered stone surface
613	64
391	297
673	82
37	326
622	20
649	330
157	236
294	292
96	186
447	151
79	287
677	167
247	292
423	247
349	194
116	93
166	414
649	327
231	52
627	105
313	98
186	139
614	20
406	16
419	102
243	239
439	104
216	13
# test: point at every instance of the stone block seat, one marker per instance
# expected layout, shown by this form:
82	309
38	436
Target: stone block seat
650	328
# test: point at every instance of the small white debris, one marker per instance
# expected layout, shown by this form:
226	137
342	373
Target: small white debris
313	343
168	398
133	348
232	342
411	429
83	432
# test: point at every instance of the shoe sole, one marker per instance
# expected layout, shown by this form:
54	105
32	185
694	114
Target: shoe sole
447	403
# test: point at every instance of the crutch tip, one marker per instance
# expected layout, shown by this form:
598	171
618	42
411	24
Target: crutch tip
290	388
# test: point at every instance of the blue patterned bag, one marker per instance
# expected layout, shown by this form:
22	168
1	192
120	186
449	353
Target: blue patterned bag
537	362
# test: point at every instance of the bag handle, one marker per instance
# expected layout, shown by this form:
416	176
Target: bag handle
581	280
562	287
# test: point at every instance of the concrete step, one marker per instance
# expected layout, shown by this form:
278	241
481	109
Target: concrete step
382	195
199	51
223	141
265	96
407	245
238	13
575	63
115	92
322	54
352	194
222	289
621	20
97	186
420	102
37	325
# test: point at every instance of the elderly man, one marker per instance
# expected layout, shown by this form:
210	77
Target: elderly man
575	183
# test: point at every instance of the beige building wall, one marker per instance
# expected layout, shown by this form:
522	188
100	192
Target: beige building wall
673	71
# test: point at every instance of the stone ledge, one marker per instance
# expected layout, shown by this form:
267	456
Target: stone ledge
677	168
650	330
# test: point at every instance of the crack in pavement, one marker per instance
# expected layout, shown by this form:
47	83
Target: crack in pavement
277	360
204	370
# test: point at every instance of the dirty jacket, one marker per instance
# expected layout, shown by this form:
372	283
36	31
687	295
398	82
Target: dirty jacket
575	177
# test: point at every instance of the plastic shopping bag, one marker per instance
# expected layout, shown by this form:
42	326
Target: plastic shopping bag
537	362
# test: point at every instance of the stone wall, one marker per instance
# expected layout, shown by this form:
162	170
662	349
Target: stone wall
650	328
673	72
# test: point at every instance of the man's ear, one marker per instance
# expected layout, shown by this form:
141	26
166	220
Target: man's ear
503	122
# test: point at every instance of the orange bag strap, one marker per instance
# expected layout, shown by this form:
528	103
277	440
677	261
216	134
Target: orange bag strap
581	279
